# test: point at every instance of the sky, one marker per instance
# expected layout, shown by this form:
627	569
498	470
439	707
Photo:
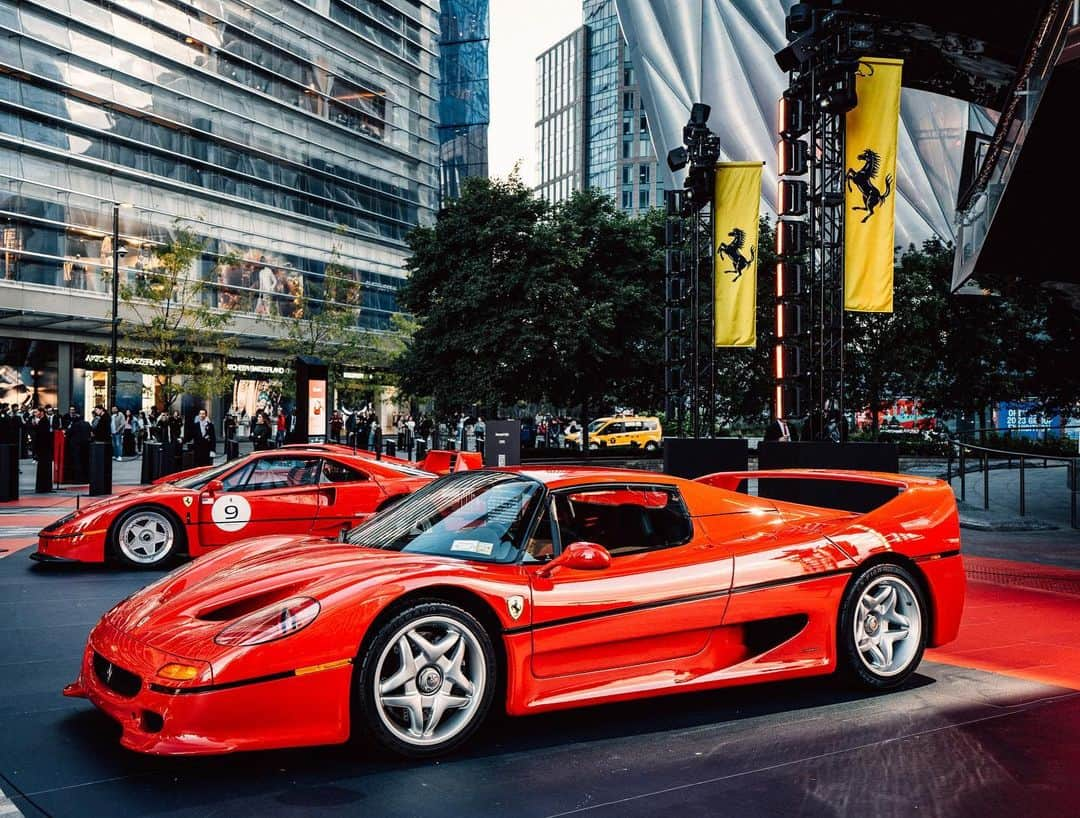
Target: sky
520	31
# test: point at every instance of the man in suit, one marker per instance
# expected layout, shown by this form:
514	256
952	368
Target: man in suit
780	430
78	443
203	439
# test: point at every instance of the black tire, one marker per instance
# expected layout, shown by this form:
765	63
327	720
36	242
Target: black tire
382	661
650	446
146	537
871	653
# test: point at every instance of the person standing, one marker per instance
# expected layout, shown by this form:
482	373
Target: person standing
42	437
282	428
100	426
176	427
78	442
203	439
116	428
260	432
229	426
781	431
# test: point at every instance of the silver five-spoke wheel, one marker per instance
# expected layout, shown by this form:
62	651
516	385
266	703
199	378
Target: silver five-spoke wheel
883	626
145	537
428	679
888	626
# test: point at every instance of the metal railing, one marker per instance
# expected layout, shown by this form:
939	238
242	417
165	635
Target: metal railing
983	453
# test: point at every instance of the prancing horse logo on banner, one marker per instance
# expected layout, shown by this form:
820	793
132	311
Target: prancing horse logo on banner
863	179
733	250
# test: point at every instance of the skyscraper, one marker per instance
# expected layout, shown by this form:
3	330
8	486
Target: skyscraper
288	137
463	93
591	130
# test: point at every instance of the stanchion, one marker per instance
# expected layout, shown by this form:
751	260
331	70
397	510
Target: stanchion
1021	485
150	462
986	481
100	469
232	449
391	448
421	449
44	482
9	472
963	475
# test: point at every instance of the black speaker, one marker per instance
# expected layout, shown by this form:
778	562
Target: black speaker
100	469
693	457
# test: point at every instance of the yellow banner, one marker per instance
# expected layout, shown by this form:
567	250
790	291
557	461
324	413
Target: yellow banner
870	187
735	237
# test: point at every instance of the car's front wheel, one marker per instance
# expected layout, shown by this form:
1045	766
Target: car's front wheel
882	628
427	679
145	537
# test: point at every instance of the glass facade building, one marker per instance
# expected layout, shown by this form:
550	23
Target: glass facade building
464	111
289	136
591	129
560	115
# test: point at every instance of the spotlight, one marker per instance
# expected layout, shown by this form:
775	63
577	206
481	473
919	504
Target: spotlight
791	238
677	158
789	278
799	20
792	158
791	197
699	114
838	98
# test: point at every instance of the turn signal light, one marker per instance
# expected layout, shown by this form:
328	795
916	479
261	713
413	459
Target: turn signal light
178	673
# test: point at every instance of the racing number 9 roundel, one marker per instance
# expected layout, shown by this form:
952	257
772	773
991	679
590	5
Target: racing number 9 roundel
231	512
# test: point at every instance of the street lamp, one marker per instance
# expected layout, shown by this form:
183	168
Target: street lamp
117	253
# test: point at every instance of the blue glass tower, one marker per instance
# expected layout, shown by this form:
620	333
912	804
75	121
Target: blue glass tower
463	93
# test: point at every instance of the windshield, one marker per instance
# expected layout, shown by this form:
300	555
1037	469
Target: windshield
480	516
198	481
596	424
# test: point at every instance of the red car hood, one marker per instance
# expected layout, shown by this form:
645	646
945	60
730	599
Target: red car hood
182	612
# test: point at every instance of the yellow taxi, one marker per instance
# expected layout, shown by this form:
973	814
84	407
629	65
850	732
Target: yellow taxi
633	431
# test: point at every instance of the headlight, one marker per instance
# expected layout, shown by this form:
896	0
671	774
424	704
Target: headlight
272	622
55	524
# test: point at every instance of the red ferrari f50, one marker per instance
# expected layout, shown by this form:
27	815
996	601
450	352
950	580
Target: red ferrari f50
562	587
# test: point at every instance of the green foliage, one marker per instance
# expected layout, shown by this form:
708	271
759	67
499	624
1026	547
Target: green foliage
516	300
174	326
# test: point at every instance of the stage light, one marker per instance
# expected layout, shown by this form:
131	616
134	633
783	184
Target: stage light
789	278
791	238
677	158
799	21
673	232
792	158
699	114
791	197
673	198
792	117
674	289
789	321
839	98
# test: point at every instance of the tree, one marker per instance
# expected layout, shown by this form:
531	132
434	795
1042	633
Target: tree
604	321
174	327
479	290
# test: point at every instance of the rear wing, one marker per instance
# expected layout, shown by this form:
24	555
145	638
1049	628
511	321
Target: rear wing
919	511
445	461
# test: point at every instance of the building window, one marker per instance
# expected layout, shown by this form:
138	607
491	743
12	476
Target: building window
644	124
627	199
627	177
628	101
627	126
643	174
628	76
626	149
643	199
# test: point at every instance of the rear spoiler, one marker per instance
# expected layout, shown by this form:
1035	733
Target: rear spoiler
731	479
445	461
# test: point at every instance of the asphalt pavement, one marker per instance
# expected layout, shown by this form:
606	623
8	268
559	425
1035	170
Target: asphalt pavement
989	726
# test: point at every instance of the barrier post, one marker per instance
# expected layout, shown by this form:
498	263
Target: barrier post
986	480
963	475
1021	485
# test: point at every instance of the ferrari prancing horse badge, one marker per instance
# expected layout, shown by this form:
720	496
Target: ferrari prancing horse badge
515	605
188	501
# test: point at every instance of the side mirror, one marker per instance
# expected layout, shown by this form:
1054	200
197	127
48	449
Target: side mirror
581	556
214	487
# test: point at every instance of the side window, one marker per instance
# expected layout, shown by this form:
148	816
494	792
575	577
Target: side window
237	479
334	472
281	473
614	428
628	519
540	547
633	425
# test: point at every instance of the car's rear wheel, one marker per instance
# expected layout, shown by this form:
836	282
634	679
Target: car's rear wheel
427	679
882	629
145	537
650	446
